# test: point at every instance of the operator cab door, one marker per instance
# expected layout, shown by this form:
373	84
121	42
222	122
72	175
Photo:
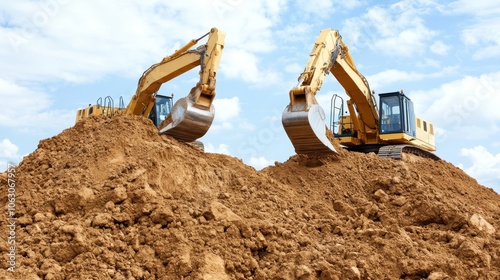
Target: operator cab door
396	114
162	108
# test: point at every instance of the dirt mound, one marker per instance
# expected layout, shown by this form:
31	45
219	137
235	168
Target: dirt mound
111	199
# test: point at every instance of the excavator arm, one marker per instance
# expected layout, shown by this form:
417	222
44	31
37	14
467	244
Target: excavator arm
362	103
304	119
191	116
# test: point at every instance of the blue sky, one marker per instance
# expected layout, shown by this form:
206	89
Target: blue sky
60	55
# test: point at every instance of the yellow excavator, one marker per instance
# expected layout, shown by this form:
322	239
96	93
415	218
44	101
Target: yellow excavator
190	117
389	131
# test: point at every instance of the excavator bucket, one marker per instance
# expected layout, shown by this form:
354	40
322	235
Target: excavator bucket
188	121
306	129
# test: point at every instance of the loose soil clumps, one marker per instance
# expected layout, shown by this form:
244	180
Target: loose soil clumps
111	199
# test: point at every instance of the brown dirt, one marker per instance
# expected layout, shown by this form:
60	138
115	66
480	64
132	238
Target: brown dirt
111	199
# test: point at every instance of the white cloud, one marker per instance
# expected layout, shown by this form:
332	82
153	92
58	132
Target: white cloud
469	101
82	41
294	68
483	38
350	4
396	30
485	166
15	97
227	109
478	8
3	166
246	126
29	110
8	149
221	126
325	8
227	115
463	109
79	42
74	43
480	35
428	63
392	76
244	65
8	153
248	25
295	32
440	48
221	149
320	8
260	162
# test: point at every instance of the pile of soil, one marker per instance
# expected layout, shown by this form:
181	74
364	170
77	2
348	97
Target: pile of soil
111	199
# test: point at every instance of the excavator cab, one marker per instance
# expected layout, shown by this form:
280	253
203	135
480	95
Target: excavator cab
396	114
162	108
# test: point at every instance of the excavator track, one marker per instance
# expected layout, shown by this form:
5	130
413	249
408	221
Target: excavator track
396	152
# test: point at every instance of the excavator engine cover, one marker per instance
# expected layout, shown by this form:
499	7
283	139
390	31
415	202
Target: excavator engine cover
307	129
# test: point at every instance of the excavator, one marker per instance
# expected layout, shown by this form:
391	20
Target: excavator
389	131
190	117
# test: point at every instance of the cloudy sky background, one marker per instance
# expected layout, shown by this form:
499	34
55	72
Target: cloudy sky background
60	55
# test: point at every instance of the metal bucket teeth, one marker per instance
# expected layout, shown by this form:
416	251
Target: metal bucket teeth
307	129
188	122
